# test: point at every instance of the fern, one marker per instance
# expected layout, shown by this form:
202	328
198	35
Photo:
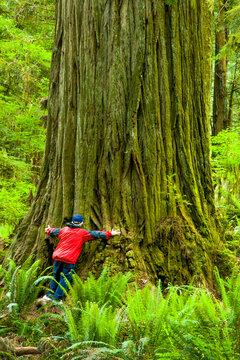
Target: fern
22	284
199	331
86	344
93	323
129	348
7	355
170	356
73	325
230	294
188	323
145	309
51	316
99	348
105	289
100	323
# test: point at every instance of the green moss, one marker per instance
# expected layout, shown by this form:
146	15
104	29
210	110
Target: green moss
130	254
170	2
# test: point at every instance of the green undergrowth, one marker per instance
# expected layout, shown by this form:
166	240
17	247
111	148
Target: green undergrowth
225	148
226	170
26	37
111	318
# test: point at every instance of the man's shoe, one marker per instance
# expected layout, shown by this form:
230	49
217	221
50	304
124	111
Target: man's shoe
44	300
57	302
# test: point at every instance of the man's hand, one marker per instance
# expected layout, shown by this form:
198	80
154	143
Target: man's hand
115	232
47	228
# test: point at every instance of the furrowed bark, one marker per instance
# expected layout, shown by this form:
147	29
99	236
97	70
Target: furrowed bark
128	138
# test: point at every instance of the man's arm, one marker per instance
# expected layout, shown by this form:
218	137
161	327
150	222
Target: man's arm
102	234
52	231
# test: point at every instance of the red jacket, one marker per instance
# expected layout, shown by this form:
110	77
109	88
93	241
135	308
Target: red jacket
71	241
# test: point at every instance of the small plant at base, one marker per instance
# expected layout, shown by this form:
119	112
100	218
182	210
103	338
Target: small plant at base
94	323
105	289
202	317
143	308
22	285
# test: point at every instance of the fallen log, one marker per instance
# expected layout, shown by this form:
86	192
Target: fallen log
27	350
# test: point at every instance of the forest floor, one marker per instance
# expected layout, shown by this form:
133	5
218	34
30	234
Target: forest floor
22	335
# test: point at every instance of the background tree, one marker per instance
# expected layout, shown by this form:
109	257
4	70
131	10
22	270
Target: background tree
226	65
128	137
220	104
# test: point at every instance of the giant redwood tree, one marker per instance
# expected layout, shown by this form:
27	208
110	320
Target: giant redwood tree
128	137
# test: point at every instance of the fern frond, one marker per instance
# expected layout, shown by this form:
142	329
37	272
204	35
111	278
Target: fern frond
7	355
72	325
105	289
222	288
170	355
51	316
85	344
22	284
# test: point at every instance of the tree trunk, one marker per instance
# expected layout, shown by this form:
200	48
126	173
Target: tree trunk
128	138
220	110
232	91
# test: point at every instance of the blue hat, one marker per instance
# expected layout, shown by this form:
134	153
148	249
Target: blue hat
77	219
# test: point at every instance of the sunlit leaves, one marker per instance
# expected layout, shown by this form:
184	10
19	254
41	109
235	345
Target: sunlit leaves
26	36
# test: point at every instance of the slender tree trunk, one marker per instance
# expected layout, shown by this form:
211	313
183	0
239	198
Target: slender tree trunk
220	110
128	137
232	91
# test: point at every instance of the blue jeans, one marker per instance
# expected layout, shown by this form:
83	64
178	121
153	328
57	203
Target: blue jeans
60	270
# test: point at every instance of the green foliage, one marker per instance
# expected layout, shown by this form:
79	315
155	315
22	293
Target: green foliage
94	323
233	16
226	170
24	63
7	355
21	327
99	351
5	230
226	151
22	134
106	289
179	326
144	308
152	320
226	145
22	285
35	17
229	291
175	325
13	201
184	322
26	36
21	139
